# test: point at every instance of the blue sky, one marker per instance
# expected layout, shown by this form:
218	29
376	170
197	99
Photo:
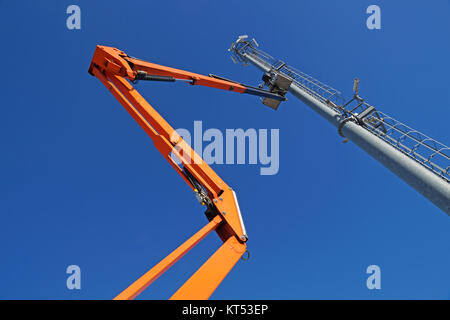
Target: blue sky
81	183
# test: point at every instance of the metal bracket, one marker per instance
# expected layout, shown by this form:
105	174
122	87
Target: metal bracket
277	83
341	124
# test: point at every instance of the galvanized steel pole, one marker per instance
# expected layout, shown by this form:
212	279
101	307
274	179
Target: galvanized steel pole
431	186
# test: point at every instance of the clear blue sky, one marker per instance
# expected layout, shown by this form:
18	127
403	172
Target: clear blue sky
81	183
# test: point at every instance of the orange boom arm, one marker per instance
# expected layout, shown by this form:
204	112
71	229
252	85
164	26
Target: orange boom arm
113	67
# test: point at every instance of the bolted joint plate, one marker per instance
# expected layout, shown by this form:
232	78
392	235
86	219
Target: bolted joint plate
228	207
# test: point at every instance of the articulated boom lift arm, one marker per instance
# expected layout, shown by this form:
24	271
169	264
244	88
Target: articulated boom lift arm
113	67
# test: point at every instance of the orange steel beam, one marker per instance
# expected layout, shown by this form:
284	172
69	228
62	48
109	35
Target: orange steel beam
206	279
202	172
113	67
119	63
145	280
219	191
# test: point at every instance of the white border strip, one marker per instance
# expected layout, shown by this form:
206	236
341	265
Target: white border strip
240	215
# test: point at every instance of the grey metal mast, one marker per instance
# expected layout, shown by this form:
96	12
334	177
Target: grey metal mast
417	159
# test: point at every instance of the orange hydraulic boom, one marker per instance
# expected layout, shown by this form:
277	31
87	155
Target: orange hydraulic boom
114	67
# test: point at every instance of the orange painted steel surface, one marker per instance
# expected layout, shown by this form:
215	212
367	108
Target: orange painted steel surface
203	282
119	63
144	281
113	67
